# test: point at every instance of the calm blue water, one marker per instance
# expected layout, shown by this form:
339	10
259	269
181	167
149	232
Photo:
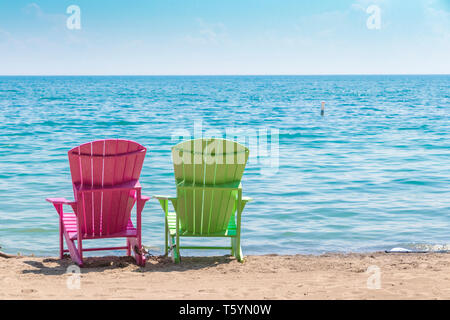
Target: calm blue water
372	174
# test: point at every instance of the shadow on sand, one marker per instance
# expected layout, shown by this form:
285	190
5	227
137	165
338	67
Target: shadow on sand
54	266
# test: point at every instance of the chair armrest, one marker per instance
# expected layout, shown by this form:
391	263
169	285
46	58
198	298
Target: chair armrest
245	200
164	202
60	201
143	198
159	197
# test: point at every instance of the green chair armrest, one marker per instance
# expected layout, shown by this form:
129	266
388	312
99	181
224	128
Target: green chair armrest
164	202
159	197
245	200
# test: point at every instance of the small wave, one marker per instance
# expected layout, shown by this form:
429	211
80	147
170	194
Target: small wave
426	247
52	98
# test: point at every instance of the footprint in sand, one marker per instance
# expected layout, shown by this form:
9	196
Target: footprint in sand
206	291
28	291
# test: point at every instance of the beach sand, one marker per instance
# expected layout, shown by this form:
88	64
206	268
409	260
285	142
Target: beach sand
330	276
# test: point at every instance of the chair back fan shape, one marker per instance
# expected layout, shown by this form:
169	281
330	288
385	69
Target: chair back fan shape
103	165
207	174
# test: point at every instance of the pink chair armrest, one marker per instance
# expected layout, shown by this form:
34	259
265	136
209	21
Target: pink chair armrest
143	198
60	201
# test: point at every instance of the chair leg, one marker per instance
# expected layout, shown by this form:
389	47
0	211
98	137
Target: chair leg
142	254
166	242
238	250
233	246
239	256
135	243
59	209
80	249
128	247
175	250
74	252
61	243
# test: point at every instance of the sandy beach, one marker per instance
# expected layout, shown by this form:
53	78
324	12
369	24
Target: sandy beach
329	276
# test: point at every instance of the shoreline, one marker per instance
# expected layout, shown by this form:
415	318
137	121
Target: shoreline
326	276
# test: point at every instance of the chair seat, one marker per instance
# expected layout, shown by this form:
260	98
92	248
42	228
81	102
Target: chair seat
172	223
70	225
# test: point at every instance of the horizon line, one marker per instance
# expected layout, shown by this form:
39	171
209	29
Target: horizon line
222	75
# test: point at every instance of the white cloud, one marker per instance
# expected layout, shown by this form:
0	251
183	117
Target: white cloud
362	5
4	35
33	9
208	33
57	20
438	20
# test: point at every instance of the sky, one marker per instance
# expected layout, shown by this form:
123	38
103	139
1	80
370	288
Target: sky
232	37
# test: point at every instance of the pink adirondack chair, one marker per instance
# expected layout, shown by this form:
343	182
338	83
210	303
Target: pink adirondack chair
105	179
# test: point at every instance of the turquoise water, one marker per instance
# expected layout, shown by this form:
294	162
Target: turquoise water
372	174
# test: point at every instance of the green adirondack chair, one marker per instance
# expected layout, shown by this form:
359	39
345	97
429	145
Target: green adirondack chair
209	200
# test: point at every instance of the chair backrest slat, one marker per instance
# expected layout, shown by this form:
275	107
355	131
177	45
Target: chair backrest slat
86	180
119	197
97	180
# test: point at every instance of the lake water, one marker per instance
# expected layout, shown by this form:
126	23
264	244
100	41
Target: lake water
372	174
